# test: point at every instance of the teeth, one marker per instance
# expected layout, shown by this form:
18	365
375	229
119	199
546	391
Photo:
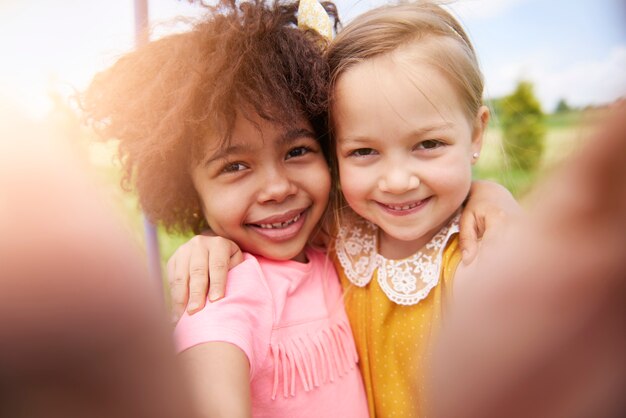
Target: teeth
280	224
405	207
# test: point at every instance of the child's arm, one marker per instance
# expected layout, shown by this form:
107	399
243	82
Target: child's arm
488	206
220	378
224	344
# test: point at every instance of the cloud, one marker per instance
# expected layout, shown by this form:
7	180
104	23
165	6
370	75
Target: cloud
482	9
583	83
589	82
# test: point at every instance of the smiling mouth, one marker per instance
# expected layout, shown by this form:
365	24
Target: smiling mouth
279	225
281	221
403	207
282	227
407	207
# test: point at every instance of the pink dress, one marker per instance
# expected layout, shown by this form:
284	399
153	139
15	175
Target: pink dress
289	320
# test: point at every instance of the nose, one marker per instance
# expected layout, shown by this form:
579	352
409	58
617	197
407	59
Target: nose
276	185
398	178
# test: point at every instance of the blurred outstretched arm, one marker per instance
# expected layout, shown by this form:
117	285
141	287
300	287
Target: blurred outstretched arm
538	329
83	332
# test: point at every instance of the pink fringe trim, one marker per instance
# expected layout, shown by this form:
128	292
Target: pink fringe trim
315	358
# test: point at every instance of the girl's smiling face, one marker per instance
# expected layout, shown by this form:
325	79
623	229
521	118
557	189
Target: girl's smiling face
266	189
404	147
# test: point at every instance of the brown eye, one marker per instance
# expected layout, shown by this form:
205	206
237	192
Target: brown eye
429	144
298	152
362	152
233	167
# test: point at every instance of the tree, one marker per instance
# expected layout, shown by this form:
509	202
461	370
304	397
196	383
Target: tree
522	127
562	107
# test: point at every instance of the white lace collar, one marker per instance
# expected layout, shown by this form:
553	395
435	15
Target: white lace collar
405	282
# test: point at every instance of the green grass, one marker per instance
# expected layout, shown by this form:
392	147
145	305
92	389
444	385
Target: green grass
565	133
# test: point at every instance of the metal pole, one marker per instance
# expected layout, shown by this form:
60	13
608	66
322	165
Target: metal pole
152	242
141	22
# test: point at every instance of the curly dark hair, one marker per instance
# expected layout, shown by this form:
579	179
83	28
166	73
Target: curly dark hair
164	100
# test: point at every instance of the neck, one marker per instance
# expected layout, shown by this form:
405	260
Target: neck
393	248
301	258
396	249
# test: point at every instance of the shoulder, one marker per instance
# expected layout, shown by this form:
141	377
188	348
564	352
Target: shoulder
249	276
490	251
322	264
244	317
249	266
247	285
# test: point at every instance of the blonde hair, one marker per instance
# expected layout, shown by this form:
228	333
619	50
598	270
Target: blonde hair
386	29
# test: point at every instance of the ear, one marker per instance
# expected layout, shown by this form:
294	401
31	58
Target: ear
480	125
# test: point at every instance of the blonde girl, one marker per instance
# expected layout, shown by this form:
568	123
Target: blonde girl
408	122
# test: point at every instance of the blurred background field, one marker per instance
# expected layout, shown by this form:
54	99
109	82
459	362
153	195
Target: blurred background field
564	134
573	51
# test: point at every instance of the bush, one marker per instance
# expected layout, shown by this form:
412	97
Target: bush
523	131
562	107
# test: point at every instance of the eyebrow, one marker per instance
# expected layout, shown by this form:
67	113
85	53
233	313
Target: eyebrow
291	135
414	133
287	137
222	153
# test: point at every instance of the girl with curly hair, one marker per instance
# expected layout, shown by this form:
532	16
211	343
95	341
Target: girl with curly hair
224	126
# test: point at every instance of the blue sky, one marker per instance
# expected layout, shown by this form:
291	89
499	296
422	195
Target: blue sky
570	49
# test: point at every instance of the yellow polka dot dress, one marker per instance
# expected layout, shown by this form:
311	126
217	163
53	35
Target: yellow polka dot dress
394	308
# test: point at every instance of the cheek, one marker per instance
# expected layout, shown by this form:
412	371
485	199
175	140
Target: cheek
354	182
322	182
223	211
313	179
453	179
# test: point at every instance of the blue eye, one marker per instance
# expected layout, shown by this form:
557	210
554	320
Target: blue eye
233	167
298	152
362	152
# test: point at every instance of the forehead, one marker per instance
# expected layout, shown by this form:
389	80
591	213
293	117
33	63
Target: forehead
252	133
401	89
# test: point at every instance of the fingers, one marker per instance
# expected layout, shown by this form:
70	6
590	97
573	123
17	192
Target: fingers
198	274
201	260
468	237
236	256
490	206
494	222
210	259
218	270
224	255
178	281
